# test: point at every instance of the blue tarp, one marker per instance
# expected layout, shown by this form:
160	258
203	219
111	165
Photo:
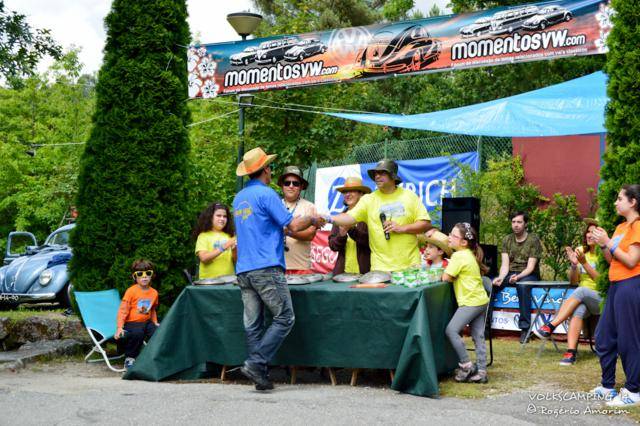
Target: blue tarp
574	107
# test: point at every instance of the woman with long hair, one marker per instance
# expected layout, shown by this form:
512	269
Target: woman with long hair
215	241
584	301
465	270
618	331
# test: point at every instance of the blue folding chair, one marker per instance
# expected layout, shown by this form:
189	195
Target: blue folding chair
99	310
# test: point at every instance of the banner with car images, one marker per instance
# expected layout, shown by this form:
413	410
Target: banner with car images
531	32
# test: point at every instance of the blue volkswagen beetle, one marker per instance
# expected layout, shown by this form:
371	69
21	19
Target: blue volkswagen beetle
39	274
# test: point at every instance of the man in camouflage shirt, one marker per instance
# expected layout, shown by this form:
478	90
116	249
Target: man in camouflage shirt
521	252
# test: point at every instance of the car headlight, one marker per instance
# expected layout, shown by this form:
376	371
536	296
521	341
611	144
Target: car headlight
45	277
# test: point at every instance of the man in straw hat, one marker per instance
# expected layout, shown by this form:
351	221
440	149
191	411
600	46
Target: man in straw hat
297	254
351	243
394	216
260	219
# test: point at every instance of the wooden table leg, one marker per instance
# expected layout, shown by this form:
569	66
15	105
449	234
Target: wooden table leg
293	374
332	376
392	374
223	374
354	376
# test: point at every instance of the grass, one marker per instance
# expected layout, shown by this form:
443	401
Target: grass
514	370
24	312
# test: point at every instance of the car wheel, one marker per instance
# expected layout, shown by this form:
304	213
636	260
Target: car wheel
543	25
301	57
323	50
567	17
64	296
273	60
245	62
510	30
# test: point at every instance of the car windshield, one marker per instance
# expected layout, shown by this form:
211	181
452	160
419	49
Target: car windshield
59	238
250	49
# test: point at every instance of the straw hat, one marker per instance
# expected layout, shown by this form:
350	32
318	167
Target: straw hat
295	171
354	184
441	241
254	160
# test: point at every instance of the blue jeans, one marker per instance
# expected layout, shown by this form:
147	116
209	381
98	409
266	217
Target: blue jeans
524	298
260	288
618	333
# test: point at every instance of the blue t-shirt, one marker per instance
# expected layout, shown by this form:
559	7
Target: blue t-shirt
260	218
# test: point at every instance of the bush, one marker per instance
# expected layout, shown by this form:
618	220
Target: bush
132	191
502	191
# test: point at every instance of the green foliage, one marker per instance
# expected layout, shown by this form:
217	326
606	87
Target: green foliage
133	183
558	225
502	190
621	164
47	110
21	47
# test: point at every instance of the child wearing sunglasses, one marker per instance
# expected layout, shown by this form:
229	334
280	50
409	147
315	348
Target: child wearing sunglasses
465	271
137	318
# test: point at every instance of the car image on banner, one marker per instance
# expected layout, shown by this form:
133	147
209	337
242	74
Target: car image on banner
547	16
411	49
305	49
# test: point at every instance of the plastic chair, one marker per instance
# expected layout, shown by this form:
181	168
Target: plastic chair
99	310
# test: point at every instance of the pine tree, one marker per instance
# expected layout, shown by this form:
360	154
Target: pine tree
133	193
621	165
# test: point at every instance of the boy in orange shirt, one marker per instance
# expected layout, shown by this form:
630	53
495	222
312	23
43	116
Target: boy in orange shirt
137	319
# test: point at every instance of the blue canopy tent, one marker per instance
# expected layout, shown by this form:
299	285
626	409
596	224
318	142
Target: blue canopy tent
574	107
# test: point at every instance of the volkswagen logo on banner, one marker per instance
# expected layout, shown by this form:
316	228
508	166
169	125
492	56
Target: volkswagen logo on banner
335	202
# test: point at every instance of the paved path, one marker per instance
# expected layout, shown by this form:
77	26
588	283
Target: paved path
73	393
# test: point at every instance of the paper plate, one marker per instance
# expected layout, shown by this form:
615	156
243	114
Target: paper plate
375	277
209	281
346	278
296	280
228	279
314	278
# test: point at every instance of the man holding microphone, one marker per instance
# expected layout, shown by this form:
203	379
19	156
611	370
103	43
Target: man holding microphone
394	217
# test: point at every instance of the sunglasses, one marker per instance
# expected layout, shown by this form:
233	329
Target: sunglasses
295	183
140	274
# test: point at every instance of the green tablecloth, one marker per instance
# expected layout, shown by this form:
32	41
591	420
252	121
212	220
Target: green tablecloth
336	326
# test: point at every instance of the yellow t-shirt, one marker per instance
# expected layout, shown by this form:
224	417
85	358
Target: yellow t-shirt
585	278
467	284
351	258
221	265
403	207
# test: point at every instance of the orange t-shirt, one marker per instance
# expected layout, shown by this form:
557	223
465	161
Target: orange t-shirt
138	305
622	238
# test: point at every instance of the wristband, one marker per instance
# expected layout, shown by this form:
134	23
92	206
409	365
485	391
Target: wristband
612	249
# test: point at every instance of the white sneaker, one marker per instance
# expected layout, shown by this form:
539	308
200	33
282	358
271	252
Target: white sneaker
603	393
625	399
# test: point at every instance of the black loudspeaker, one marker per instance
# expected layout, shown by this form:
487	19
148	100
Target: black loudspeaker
461	209
490	259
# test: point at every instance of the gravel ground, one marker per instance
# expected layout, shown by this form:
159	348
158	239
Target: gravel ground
75	393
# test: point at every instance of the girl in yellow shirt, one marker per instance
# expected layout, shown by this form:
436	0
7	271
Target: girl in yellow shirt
465	271
215	244
584	301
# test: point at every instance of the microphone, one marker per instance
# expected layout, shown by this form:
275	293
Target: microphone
383	218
